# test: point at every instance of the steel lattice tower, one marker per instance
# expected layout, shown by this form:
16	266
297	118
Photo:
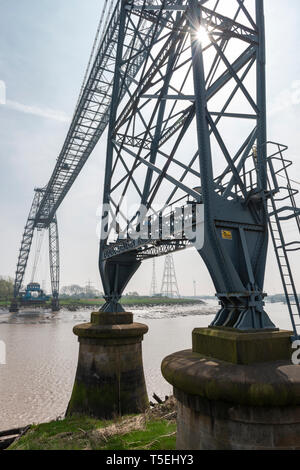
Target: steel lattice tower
153	289
173	137
169	286
54	262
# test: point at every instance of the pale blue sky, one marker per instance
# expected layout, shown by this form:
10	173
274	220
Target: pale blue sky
45	45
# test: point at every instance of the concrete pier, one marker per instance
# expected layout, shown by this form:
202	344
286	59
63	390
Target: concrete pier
249	401
110	377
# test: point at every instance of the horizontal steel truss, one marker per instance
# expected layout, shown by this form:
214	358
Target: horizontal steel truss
92	113
145	249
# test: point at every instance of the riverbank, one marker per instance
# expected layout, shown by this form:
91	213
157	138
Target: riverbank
153	430
42	354
74	305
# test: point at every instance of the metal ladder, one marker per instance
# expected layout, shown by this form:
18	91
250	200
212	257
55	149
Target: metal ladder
276	216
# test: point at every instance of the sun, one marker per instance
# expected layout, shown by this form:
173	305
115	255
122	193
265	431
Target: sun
203	36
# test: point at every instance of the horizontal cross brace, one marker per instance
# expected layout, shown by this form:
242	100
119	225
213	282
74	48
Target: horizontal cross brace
170	97
176	183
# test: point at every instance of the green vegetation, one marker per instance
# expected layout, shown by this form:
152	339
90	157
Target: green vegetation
76	304
156	301
71	304
131	301
153	430
75	297
6	290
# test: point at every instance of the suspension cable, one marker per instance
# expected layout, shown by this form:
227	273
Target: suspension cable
37	253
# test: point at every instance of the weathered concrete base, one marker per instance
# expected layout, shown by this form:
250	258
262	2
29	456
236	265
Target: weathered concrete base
214	425
242	347
230	405
110	377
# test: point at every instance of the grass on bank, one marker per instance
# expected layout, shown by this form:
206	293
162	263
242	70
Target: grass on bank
126	301
153	430
132	301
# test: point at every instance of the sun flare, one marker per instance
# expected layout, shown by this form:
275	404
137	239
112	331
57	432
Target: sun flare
203	36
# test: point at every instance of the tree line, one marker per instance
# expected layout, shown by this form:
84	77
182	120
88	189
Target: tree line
6	288
74	291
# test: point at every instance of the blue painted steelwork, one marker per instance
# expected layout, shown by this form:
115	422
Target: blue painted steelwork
33	295
164	140
181	86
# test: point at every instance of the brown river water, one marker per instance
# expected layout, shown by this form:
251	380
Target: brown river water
41	355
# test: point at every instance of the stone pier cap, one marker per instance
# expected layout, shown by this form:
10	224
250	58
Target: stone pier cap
111	327
249	368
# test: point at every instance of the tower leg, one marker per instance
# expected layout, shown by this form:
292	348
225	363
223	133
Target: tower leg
115	276
25	249
55	307
54	263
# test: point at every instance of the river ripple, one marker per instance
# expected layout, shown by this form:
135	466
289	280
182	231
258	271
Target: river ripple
36	382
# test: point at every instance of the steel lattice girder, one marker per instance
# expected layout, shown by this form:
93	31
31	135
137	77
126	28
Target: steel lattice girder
92	113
